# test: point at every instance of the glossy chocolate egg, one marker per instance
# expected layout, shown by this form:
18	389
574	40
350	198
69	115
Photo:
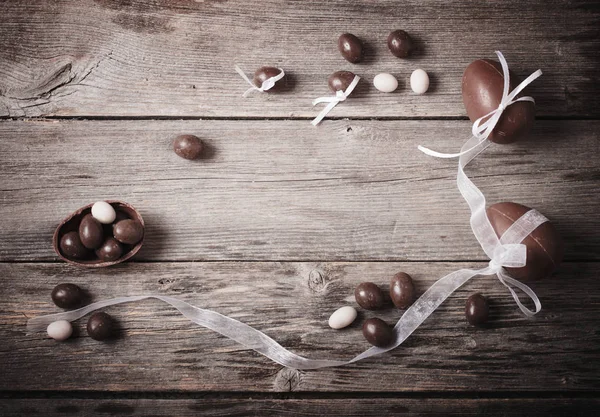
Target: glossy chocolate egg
91	232
377	332
340	80
402	290
477	309
111	250
67	296
71	246
264	73
350	47
100	326
400	43
128	231
544	244
369	296
482	86
187	146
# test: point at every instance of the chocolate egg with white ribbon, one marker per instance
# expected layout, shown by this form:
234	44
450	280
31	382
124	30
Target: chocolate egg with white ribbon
544	244
482	88
340	80
264	73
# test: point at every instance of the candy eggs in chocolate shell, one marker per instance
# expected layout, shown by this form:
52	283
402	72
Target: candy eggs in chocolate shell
544	244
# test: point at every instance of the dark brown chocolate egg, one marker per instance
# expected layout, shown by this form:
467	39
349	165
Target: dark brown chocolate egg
400	43
71	246
350	47
67	295
340	80
402	290
482	86
91	232
264	73
128	231
100	326
187	146
544	244
377	332
477	309
111	250
369	296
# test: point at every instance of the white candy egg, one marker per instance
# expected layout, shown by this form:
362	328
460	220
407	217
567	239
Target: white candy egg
386	83
60	330
419	81
342	317
103	212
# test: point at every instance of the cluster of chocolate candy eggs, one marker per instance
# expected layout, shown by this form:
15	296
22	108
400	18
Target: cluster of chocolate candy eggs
400	44
100	325
100	234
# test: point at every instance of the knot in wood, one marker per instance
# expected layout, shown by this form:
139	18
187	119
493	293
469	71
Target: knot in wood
316	281
287	380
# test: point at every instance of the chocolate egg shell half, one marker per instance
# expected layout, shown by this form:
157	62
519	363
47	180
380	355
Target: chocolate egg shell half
71	224
340	80
264	73
544	245
482	87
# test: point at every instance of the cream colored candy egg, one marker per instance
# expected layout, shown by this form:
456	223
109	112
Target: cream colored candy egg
386	83
60	330
342	317
103	212
419	81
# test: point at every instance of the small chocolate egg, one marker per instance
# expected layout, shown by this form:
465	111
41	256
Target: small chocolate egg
482	87
188	146
111	250
71	246
377	332
350	47
402	290
369	296
100	326
128	231
264	73
386	83
544	245
340	80
60	330
67	295
400	43
91	233
477	309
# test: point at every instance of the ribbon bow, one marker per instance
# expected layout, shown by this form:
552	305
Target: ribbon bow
482	130
266	85
333	100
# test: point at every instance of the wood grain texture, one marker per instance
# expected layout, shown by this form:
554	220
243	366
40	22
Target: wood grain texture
282	190
159	350
348	407
176	57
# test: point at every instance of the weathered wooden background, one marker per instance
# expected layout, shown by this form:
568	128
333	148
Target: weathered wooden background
279	221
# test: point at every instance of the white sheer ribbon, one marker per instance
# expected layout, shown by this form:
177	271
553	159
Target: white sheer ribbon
333	100
482	130
266	85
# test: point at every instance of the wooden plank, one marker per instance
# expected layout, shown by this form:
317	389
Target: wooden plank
281	190
176	58
159	350
347	407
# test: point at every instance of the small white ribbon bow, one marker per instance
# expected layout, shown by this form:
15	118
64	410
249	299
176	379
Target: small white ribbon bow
266	85
333	100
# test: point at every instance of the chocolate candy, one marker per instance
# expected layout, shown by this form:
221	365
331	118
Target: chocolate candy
477	309
264	73
544	244
482	86
377	332
369	296
350	47
187	146
402	290
340	80
400	43
111	250
100	326
90	232
60	330
67	295
71	246
103	212
128	231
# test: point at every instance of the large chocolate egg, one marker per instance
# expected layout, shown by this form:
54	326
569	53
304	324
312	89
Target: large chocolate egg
544	244
340	80
482	86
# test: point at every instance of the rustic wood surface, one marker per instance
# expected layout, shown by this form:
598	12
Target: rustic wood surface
279	221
